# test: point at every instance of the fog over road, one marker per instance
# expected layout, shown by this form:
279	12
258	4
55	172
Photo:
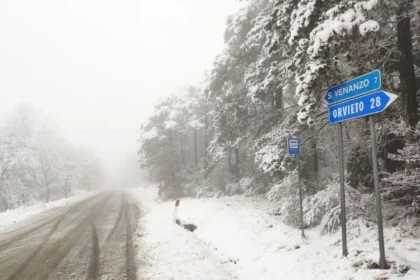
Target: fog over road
91	239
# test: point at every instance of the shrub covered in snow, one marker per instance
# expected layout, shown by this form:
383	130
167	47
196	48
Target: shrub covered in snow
204	191
402	187
246	183
324	207
233	189
286	195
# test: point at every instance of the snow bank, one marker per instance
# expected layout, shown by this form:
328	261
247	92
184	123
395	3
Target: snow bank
17	215
166	250
237	238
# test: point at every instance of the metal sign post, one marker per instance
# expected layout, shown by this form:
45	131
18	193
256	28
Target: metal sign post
342	190
357	98
300	197
293	147
382	262
366	105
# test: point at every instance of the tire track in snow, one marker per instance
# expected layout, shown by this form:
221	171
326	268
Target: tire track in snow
118	220
58	222
35	253
94	265
48	259
28	231
130	265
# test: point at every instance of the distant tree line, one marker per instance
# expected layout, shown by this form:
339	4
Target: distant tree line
37	165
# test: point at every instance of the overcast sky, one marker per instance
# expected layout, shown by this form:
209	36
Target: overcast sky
96	65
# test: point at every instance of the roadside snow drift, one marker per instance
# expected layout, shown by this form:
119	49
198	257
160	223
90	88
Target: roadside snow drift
17	215
237	238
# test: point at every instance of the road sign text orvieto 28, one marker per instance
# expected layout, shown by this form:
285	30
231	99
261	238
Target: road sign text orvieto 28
366	105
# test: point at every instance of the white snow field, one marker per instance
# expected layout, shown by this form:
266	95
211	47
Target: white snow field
237	238
14	216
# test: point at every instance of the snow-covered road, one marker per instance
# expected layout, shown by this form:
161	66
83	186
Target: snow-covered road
237	238
90	239
95	237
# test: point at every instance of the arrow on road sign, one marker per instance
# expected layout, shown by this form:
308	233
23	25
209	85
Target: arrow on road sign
361	85
366	105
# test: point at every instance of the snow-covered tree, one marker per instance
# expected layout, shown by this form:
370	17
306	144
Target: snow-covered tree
401	186
279	58
35	164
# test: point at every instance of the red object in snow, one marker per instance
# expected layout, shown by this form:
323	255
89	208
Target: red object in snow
177	203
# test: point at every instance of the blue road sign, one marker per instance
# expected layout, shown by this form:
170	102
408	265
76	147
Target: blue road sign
364	84
366	105
293	146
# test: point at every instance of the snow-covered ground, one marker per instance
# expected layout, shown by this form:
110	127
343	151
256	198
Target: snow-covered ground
11	217
237	238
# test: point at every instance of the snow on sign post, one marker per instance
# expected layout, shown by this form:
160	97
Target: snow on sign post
358	98
293	148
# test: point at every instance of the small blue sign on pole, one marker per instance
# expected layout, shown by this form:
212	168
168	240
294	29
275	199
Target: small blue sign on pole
366	105
361	85
293	146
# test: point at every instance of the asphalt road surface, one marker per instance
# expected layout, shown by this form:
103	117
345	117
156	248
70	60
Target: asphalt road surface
91	239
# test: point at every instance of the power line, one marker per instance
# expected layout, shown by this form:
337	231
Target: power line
72	132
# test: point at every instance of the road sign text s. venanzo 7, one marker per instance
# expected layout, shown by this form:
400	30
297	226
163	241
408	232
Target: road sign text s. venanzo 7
359	86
